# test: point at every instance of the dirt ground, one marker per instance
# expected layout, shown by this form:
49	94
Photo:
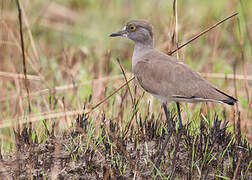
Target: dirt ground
214	152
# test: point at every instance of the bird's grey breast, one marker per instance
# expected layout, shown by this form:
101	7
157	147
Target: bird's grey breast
139	52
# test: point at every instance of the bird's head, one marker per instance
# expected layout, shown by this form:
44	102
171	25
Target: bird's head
139	31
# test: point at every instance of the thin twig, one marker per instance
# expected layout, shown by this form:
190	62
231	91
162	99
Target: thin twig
235	85
124	75
203	32
237	167
18	76
226	76
244	65
246	22
106	98
23	53
175	14
34	63
135	110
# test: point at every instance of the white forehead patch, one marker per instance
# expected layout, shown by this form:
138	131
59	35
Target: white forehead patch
124	29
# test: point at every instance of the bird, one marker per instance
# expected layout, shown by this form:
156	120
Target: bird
165	77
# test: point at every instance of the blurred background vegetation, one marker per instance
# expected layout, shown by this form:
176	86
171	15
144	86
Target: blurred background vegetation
67	47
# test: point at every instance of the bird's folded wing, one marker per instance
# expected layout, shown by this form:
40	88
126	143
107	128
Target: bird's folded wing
172	79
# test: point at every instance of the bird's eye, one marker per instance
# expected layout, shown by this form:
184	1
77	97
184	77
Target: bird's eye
132	28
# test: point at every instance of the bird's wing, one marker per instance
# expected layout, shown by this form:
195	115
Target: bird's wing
164	76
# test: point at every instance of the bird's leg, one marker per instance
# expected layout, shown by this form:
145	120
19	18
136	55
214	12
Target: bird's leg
180	129
167	115
179	116
170	130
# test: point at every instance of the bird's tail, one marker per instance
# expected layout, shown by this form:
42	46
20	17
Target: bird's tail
228	100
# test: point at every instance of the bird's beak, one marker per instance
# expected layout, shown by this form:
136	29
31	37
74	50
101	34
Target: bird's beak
122	32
